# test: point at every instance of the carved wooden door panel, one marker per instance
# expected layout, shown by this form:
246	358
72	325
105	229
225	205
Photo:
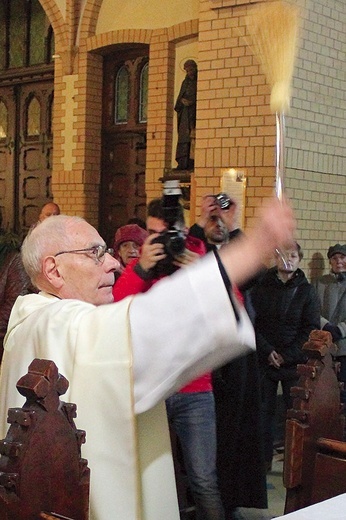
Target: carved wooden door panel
25	152
123	181
122	190
7	156
34	151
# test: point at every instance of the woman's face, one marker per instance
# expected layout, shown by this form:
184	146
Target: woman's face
128	251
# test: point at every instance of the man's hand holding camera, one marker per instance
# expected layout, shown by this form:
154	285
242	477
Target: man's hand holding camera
220	205
151	253
208	205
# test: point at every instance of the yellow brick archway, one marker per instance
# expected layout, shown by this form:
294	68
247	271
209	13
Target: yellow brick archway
78	90
58	23
160	115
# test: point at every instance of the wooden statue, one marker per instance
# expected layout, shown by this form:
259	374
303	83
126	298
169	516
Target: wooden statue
42	474
316	413
185	107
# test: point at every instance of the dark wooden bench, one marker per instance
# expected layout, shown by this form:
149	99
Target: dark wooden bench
314	470
42	474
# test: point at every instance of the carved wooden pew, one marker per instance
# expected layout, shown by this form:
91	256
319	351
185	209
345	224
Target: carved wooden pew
42	474
330	470
309	476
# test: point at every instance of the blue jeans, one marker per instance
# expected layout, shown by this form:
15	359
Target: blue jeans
192	416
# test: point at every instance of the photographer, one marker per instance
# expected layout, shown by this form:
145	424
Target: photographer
236	385
153	262
191	411
221	205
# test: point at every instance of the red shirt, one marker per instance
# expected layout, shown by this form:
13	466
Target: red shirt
130	283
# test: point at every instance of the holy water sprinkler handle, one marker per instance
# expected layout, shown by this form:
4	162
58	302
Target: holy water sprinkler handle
280	169
272	35
280	154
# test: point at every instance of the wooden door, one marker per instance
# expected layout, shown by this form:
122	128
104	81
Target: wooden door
7	156
122	191
34	151
25	153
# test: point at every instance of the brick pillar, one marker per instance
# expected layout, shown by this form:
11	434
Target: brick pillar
160	110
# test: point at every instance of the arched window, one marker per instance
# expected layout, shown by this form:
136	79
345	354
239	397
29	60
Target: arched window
50	115
33	121
50	45
3	120
38	32
143	94
122	87
26	38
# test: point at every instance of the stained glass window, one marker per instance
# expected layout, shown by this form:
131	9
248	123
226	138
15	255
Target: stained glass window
50	45
26	38
50	114
122	87
3	120
2	36
17	33
143	94
33	122
37	34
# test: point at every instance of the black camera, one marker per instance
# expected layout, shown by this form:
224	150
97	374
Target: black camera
223	200
173	239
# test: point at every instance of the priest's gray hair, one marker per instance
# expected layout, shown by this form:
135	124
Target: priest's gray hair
46	238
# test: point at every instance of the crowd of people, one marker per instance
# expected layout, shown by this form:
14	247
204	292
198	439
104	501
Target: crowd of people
186	350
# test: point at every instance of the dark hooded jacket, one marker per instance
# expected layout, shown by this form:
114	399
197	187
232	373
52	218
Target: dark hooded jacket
286	313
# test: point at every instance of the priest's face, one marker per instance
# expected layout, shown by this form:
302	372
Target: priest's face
86	275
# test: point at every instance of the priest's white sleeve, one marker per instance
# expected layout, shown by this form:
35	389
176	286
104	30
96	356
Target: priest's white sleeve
183	327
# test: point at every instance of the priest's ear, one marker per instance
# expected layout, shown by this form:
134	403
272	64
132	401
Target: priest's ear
51	272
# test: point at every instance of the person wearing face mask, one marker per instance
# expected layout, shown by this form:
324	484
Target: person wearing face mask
331	290
286	311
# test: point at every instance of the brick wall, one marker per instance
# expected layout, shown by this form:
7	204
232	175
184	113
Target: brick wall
316	132
234	125
235	128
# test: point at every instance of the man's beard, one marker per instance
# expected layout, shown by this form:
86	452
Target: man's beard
218	239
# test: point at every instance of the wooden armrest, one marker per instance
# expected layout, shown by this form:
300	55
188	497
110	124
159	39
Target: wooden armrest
332	445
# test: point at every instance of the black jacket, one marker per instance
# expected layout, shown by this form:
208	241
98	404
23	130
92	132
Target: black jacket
240	455
198	232
285	314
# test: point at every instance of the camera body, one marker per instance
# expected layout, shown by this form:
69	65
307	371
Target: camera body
223	200
173	239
